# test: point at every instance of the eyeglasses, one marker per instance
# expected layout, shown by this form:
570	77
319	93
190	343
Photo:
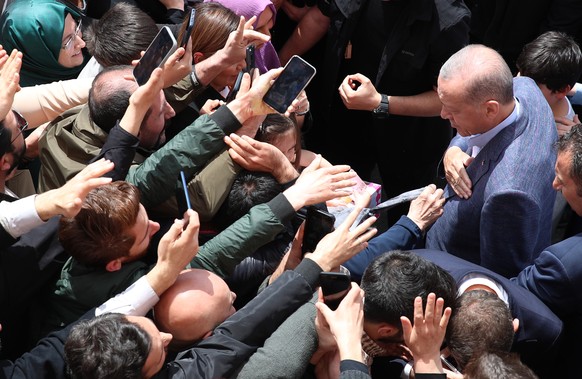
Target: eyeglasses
69	42
21	122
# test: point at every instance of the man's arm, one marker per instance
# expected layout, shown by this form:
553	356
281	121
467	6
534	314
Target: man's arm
358	92
308	32
21	216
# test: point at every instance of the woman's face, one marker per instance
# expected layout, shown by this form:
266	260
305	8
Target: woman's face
287	142
228	76
70	54
265	22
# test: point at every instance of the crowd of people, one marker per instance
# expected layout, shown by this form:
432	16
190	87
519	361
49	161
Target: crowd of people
156	230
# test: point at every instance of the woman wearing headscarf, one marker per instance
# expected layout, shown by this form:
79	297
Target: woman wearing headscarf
48	33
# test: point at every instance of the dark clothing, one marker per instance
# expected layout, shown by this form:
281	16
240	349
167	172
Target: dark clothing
402	59
538	336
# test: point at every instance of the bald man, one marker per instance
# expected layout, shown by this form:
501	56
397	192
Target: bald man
198	301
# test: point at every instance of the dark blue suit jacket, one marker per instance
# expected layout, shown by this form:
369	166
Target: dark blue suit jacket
539	330
404	235
556	278
506	222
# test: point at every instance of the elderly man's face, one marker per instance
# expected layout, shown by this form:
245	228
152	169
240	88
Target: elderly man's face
465	116
564	183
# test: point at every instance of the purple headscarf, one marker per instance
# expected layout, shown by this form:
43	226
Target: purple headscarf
266	57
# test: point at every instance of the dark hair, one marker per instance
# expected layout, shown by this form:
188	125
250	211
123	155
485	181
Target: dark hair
248	189
274	126
98	234
107	346
120	35
5	139
481	323
572	142
109	97
553	59
394	279
495	365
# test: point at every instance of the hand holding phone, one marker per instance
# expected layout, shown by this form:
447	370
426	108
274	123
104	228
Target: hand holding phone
189	21
317	225
334	286
183	198
295	76
163	45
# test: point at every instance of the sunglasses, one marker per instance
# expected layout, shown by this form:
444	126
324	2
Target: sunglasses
21	122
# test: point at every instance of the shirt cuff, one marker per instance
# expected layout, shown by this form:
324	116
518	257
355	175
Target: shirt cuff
19	217
136	300
226	120
351	365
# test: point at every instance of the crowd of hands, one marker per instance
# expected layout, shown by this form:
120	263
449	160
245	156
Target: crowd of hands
340	331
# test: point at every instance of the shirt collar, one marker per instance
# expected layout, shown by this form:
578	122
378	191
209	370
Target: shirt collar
478	141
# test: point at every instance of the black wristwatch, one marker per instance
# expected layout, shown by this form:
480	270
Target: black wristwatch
383	108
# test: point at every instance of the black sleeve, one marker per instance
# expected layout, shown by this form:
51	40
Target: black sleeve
119	148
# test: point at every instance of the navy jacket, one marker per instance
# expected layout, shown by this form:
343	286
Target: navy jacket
539	330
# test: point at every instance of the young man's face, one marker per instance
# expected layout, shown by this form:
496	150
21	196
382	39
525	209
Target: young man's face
143	230
159	345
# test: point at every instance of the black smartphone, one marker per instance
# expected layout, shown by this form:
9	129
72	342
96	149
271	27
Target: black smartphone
317	225
183	198
163	45
296	75
250	65
191	17
335	286
250	59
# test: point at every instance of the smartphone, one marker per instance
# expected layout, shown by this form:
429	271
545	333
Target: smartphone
235	88
183	198
317	225
250	65
296	75
163	45
190	22
250	59
335	286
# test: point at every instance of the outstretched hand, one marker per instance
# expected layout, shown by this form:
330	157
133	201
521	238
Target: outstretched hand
68	199
9	80
426	336
342	244
176	249
427	207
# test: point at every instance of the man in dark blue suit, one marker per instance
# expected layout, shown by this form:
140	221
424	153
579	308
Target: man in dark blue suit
506	126
538	333
556	275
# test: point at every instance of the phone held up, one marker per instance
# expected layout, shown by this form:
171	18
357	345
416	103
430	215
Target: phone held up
189	21
295	76
250	65
183	198
334	286
317	225
163	45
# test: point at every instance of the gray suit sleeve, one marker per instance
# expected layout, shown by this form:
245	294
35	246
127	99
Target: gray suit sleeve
287	352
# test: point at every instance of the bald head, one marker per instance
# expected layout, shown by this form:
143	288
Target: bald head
109	96
485	74
195	304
